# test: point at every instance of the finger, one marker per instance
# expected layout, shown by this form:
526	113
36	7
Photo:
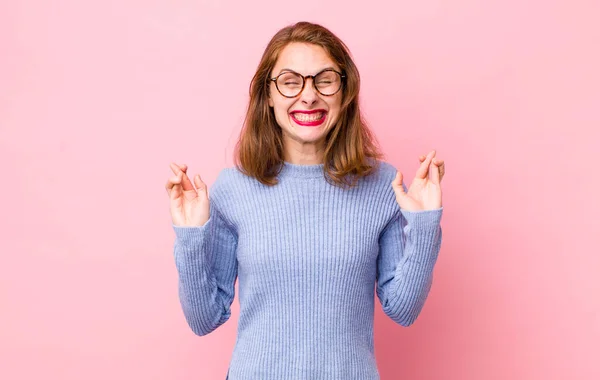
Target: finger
434	173
397	182
173	183
442	168
185	180
200	185
424	168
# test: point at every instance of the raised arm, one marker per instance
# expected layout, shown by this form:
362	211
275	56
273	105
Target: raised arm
410	243
408	251
205	256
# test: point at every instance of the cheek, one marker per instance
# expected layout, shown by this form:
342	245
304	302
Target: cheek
336	103
284	106
281	111
335	108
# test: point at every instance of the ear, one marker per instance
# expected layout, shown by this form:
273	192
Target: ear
270	99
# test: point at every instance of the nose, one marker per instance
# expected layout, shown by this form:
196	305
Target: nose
309	94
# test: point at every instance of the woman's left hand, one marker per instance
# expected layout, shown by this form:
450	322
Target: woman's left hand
425	191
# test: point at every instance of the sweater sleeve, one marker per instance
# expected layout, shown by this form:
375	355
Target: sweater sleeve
408	251
206	263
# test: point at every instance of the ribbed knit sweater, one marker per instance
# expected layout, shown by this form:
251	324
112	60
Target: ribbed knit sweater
309	258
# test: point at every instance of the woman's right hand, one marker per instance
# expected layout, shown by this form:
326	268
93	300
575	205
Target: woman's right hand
190	206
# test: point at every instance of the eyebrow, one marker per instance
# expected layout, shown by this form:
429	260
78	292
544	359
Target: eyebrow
325	68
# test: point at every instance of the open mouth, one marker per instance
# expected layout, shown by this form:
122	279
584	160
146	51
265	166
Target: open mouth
311	119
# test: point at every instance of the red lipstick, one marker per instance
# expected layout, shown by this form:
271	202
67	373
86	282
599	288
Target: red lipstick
309	122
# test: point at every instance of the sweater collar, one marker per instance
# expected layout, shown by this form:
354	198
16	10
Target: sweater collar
302	171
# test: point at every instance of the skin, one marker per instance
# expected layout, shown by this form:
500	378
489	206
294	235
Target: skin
425	191
191	207
304	145
189	203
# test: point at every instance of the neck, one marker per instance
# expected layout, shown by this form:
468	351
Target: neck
303	154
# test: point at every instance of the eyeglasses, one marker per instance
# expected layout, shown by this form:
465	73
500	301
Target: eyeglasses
290	84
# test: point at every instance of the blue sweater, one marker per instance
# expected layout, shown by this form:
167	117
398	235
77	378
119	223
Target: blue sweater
309	258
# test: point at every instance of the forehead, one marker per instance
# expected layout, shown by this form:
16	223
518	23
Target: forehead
303	58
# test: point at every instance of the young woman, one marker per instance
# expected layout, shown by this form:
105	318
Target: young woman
309	221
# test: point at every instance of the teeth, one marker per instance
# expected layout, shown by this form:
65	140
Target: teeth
309	117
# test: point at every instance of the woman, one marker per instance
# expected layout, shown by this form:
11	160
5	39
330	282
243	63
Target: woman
309	220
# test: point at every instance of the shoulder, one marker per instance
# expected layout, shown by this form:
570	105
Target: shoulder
384	173
378	190
230	175
230	181
226	176
385	169
223	193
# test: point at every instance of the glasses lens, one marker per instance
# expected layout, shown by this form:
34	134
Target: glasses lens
289	84
328	82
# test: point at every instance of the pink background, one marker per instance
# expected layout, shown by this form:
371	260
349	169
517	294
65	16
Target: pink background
96	98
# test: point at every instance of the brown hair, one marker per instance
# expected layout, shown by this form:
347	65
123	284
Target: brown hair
351	150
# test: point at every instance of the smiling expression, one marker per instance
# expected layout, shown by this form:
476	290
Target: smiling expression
306	119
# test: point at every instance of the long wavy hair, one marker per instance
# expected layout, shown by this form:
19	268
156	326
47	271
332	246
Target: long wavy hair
351	149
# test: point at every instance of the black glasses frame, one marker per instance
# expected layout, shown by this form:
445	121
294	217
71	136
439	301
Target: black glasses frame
304	78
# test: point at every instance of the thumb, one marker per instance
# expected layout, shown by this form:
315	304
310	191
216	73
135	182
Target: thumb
397	183
200	186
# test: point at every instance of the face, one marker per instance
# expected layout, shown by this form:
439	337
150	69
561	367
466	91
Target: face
302	135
